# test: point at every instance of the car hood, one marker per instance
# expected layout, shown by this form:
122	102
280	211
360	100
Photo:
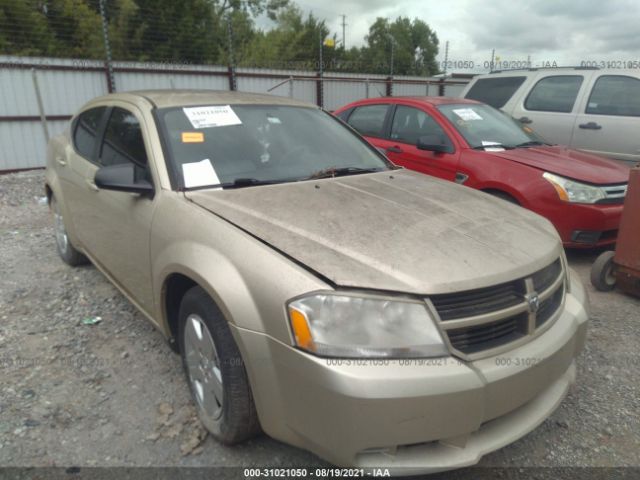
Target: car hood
569	163
395	230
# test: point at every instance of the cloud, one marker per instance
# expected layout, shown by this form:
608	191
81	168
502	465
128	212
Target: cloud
566	32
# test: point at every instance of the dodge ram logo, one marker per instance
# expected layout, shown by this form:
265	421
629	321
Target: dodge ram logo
534	302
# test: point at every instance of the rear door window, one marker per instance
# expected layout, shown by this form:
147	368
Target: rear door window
369	119
615	95
554	94
86	131
495	91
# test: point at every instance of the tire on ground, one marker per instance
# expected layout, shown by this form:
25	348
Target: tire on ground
602	277
69	254
239	420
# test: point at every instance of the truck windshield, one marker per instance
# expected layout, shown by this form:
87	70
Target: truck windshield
237	146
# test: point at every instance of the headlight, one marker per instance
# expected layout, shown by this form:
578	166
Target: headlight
574	192
340	325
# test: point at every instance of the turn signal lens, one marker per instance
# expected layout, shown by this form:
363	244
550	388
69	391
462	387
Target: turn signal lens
300	327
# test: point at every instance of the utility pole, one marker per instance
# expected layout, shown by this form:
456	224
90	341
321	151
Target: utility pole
493	56
443	79
320	81
111	84
344	24
233	85
446	57
392	51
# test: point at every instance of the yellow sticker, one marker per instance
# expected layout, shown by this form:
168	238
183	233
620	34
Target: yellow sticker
192	137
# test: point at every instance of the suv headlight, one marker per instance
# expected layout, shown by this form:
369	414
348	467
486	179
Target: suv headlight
574	192
343	325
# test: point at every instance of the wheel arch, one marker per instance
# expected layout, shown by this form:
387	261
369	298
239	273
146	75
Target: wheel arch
175	286
494	188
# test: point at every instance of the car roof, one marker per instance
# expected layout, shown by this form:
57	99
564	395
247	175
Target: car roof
181	98
418	99
438	100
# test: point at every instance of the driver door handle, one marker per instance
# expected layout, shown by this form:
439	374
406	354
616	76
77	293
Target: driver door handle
590	126
525	120
394	149
61	161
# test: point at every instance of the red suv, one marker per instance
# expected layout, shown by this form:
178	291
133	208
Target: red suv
474	144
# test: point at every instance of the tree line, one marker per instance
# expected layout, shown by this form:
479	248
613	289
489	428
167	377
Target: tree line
211	32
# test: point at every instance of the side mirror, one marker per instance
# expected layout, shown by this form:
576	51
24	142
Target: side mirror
433	143
121	178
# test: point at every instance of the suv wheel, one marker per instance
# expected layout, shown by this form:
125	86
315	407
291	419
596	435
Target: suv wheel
215	370
66	250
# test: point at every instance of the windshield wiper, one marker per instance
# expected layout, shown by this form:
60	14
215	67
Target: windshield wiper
531	143
248	182
494	145
332	172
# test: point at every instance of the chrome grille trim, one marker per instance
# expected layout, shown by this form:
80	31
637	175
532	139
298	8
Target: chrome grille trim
461	333
615	191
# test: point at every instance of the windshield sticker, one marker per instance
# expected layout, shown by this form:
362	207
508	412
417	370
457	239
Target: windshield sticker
192	137
274	120
199	174
492	146
467	114
213	116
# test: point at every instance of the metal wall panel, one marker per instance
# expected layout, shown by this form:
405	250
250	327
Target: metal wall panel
23	143
66	84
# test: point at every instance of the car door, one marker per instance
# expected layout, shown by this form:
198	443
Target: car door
370	120
115	226
609	118
408	124
550	107
71	168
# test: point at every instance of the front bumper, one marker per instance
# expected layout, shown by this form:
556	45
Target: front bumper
415	416
587	226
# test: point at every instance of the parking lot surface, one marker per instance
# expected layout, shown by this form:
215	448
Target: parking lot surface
87	381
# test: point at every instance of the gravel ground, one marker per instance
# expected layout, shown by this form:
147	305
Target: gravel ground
113	393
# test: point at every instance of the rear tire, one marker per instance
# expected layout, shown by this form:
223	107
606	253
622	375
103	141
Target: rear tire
65	248
602	272
215	370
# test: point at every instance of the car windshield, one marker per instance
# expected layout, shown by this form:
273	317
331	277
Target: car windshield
234	146
485	127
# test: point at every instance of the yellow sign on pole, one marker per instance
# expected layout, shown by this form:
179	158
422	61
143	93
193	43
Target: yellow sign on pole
329	42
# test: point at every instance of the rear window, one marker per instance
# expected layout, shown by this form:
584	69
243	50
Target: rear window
84	137
495	91
554	94
369	119
615	95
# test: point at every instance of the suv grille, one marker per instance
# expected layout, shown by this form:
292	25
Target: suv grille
484	319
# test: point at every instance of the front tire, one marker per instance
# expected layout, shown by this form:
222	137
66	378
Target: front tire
504	196
215	370
602	272
65	248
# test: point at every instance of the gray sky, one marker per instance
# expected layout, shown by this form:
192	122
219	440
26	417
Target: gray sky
566	32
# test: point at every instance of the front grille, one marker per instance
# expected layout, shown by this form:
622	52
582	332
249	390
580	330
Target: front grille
548	307
476	302
471	340
614	193
543	279
488	318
